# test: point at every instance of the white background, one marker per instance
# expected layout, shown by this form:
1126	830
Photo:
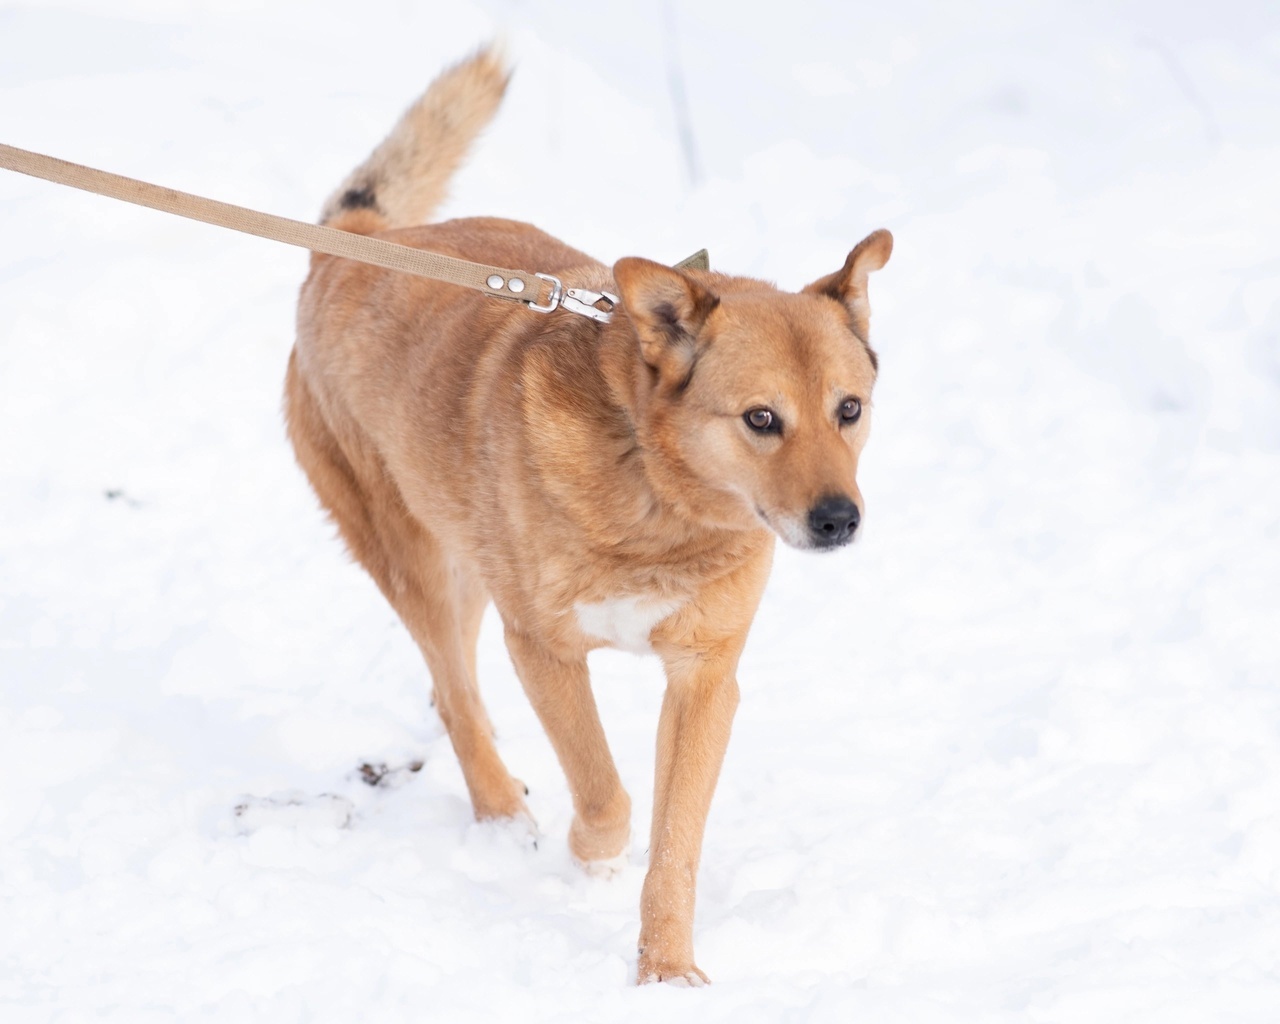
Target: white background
1013	757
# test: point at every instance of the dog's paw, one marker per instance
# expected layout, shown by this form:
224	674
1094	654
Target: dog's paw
525	829
601	847
499	796
681	974
690	979
519	827
607	867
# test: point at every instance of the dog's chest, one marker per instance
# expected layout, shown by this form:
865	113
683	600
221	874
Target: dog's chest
624	622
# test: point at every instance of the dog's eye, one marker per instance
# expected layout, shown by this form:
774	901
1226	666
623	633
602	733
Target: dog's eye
762	421
850	410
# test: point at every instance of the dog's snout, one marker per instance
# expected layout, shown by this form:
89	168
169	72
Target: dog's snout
833	520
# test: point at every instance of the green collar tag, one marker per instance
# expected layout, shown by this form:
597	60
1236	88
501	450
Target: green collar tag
698	261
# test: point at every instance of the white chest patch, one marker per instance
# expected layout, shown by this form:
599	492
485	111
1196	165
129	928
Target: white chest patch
624	622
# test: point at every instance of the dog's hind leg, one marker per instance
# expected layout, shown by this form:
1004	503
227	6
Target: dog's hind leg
439	602
440	610
560	692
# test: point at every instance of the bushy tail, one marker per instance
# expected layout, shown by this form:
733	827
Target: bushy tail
404	179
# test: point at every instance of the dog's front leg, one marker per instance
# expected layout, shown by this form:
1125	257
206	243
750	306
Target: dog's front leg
559	689
693	731
700	646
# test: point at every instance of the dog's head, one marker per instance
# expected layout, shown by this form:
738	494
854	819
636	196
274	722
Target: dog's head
753	404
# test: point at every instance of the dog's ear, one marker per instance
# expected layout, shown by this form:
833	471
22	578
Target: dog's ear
849	284
668	309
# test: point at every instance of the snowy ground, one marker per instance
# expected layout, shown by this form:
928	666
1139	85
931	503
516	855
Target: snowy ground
1015	757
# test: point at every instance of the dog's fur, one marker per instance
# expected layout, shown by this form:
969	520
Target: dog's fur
600	483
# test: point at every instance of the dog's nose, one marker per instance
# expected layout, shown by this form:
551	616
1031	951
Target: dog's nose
832	521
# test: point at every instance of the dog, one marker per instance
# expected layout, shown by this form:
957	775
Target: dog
604	484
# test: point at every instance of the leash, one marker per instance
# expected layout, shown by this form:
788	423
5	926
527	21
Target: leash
542	293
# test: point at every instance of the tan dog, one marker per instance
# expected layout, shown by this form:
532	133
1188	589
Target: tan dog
604	485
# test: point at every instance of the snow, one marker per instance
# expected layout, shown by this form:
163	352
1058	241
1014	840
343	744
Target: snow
1013	756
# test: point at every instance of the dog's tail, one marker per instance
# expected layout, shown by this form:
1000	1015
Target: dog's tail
404	179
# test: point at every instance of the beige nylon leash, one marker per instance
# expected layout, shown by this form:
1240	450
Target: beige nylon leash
540	292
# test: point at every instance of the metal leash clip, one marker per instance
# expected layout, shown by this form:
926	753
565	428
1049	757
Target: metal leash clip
576	300
583	302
